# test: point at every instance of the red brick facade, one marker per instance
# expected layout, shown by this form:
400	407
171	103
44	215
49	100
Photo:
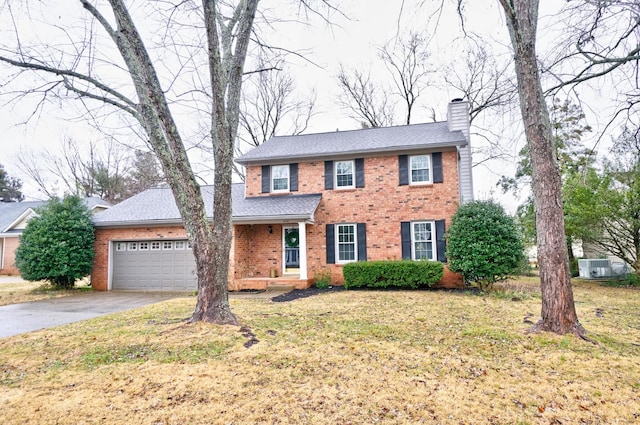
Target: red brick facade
382	204
8	247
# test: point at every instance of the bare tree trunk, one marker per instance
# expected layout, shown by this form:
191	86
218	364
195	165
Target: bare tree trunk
226	85
558	309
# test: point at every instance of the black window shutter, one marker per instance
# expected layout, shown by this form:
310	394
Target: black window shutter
328	175
293	177
436	161
331	244
362	241
266	179
359	172
405	235
441	244
403	164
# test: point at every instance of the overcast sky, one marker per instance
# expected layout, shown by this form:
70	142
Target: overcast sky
351	40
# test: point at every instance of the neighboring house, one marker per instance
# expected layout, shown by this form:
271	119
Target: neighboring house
309	204
13	220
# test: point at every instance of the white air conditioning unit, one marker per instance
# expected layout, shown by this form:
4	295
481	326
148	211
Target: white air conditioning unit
595	269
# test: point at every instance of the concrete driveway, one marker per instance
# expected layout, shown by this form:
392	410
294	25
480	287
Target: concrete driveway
26	317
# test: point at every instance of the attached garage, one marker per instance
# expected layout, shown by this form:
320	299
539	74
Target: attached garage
153	265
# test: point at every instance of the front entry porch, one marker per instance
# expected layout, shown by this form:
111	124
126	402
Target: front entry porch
269	255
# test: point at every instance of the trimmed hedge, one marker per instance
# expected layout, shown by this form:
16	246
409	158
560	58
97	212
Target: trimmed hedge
392	274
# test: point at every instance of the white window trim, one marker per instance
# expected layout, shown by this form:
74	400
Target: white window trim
434	246
288	179
167	242
355	243
143	243
411	182
158	248
353	175
121	246
132	244
181	243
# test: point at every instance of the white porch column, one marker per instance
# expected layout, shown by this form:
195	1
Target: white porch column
302	235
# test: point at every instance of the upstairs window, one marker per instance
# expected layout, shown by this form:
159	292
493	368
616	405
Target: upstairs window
280	178
345	171
344	174
420	167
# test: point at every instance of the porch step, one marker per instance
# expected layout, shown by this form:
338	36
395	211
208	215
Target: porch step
279	287
293	282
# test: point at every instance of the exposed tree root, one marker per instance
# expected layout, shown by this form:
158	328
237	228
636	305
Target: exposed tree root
575	329
218	316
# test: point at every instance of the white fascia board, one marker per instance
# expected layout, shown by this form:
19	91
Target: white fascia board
21	217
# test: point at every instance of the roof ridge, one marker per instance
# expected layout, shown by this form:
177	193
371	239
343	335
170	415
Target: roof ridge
360	129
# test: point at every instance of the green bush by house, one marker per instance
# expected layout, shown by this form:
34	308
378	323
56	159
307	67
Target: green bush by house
483	244
57	244
392	274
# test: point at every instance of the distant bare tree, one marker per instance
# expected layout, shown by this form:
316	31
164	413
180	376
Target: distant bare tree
270	107
367	101
88	168
407	61
483	81
601	45
487	83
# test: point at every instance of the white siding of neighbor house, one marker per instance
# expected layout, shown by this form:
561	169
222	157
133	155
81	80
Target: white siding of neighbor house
458	119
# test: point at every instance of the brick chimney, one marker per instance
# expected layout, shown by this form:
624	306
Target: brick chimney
458	119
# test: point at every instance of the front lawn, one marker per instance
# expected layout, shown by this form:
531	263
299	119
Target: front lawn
22	292
348	357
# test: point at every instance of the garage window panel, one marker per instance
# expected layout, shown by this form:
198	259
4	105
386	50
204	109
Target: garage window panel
155	246
132	246
144	246
167	245
178	245
189	245
121	246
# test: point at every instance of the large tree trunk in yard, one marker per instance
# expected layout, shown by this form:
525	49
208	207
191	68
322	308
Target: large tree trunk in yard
210	247
226	84
558	309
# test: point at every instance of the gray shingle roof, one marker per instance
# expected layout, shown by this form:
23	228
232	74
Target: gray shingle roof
354	142
157	206
12	211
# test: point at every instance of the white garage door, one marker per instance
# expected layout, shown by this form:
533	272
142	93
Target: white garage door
160	265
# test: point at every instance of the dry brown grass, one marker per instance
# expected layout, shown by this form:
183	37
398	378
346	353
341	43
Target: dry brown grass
22	292
353	357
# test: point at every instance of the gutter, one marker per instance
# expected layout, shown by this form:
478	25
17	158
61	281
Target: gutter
258	219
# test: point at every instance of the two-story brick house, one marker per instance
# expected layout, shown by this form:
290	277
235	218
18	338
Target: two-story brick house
309	204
